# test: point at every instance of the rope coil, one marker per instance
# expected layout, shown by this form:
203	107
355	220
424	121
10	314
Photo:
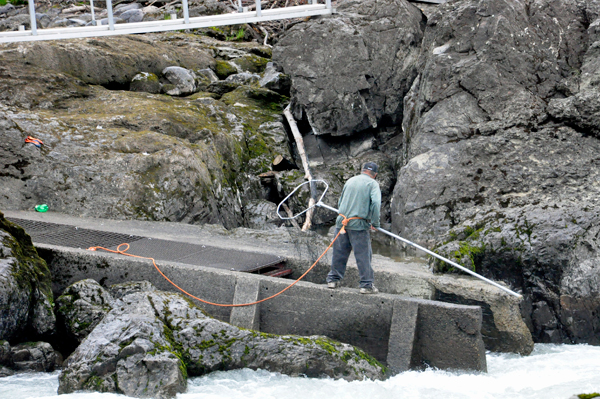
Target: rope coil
124	252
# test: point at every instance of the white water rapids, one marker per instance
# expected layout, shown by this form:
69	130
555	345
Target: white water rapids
550	372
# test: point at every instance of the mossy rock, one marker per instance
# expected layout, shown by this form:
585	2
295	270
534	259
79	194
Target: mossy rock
251	63
257	97
223	69
202	95
145	82
222	87
26	299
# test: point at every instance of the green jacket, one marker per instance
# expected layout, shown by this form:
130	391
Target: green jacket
360	197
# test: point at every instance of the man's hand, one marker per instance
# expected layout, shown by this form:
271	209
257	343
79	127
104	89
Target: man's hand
373	228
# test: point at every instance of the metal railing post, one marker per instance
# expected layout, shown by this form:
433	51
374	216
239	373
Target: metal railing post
32	17
92	10
111	20
186	12
258	9
328	4
240	6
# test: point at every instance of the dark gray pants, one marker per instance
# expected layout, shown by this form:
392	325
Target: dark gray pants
360	242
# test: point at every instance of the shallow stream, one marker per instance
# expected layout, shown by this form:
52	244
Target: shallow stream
550	372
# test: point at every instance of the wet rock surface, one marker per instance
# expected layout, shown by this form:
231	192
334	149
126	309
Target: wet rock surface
150	341
80	308
25	287
28	357
35	356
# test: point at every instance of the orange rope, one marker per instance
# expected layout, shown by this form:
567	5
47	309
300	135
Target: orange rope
124	252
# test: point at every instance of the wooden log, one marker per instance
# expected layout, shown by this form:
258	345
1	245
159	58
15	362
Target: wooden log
300	144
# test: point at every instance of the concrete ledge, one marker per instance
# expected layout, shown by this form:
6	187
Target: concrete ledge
402	332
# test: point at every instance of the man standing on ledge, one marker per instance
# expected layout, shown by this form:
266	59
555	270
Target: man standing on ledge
359	203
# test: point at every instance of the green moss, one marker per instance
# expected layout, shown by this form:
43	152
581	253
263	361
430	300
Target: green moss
223	69
237	36
588	395
369	359
256	334
259	101
328	345
251	63
13	2
31	271
95	383
206	344
469	251
82	326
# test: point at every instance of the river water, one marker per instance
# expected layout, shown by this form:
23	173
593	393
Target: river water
550	372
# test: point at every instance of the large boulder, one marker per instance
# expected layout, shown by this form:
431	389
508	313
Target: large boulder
183	80
124	154
80	308
26	301
28	357
35	356
499	168
341	93
150	341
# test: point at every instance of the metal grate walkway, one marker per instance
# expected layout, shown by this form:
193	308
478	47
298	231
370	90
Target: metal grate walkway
165	250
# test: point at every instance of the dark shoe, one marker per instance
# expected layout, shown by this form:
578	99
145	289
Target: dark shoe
369	290
333	284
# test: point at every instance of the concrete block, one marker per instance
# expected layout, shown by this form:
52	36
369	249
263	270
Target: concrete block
391	328
69	265
246	291
402	335
341	314
449	337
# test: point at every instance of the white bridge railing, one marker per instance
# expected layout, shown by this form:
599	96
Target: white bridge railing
248	12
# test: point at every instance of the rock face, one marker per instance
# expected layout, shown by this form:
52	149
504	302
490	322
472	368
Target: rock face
123	154
495	159
500	168
150	341
341	96
28	357
25	288
182	79
35	356
80	308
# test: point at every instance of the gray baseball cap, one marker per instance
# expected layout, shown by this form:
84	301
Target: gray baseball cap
372	166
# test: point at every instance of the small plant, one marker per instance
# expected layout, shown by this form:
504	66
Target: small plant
13	2
588	395
238	36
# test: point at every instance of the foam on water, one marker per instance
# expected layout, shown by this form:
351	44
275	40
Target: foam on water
551	371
